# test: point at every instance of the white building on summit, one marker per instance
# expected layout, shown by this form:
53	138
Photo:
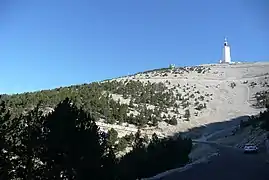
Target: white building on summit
226	53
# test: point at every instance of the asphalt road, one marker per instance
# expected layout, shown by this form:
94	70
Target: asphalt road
231	164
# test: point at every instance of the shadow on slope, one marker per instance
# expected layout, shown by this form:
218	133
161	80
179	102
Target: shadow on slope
214	128
209	132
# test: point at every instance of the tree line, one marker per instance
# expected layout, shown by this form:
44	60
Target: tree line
262	119
67	144
96	98
262	99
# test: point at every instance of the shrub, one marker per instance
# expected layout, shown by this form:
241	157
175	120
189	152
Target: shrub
173	121
233	84
187	114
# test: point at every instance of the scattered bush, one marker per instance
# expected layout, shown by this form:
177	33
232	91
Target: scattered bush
187	114
173	121
252	84
233	84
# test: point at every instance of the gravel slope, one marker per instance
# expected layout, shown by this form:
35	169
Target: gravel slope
225	102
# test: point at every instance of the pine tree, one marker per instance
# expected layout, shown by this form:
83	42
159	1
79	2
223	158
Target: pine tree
6	166
112	137
75	147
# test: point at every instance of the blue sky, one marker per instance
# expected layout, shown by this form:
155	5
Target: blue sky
52	43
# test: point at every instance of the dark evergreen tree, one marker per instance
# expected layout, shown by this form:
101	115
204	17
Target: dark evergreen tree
75	148
112	137
6	165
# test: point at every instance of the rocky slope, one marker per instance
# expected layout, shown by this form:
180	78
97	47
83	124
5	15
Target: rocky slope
163	101
212	93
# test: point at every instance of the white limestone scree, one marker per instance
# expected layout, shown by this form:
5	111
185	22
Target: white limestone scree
226	53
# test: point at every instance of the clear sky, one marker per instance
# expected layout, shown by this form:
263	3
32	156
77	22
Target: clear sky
51	43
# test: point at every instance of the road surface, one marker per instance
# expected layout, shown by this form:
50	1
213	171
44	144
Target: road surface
231	164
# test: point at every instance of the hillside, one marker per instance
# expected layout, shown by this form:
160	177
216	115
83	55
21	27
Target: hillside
165	100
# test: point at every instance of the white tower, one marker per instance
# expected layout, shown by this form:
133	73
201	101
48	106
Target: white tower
226	53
